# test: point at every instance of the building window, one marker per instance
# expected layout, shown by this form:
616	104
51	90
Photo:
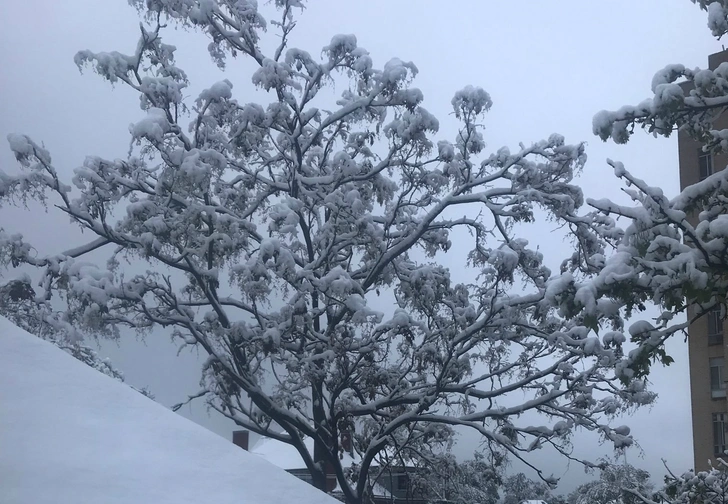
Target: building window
715	327
719	425
705	164
402	482
717	382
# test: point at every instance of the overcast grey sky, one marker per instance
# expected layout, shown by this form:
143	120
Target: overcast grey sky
549	66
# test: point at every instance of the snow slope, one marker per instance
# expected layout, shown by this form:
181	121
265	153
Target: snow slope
69	434
280	454
286	456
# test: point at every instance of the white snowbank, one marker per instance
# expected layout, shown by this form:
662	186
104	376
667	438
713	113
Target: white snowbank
70	434
287	457
280	454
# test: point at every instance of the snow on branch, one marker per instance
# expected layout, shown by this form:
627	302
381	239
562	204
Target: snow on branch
272	232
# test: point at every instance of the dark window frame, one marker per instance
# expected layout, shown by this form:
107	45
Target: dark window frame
715	326
719	433
705	164
717	377
403	481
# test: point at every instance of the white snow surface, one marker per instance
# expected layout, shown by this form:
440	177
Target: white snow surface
287	457
280	454
71	434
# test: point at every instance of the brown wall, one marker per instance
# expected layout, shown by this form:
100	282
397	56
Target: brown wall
702	404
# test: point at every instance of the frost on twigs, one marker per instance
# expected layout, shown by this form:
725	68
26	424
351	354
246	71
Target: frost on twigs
672	250
617	482
683	99
717	15
706	487
18	303
300	248
670	254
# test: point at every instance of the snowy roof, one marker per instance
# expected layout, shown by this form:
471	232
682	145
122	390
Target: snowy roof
280	454
286	456
71	434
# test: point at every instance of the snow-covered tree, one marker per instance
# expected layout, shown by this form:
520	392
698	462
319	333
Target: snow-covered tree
704	487
519	487
691	106
673	252
18	304
617	484
298	243
474	481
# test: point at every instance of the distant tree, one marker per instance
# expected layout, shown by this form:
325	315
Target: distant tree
519	487
617	484
270	231
474	481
